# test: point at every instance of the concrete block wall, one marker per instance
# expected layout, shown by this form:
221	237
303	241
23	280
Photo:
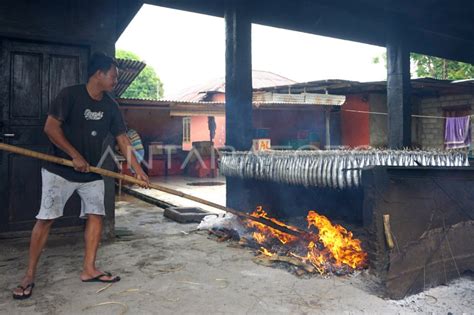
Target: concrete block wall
431	130
379	122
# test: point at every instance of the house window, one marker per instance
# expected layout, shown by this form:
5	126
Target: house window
187	129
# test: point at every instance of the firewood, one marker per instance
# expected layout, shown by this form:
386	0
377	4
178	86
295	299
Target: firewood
224	238
387	230
269	260
293	261
217	233
263	260
243	242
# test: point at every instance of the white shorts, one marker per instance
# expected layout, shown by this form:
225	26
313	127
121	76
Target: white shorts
56	191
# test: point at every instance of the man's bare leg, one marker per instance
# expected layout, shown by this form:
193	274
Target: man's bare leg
92	237
39	236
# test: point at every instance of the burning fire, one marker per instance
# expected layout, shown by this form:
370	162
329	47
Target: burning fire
264	233
327	247
340	243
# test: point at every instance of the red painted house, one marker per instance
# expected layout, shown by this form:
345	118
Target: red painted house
284	121
288	120
195	128
363	116
296	114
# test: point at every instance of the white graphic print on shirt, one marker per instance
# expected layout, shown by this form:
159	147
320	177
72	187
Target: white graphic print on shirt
90	115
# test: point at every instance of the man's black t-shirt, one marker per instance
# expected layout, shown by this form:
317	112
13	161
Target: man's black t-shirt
85	123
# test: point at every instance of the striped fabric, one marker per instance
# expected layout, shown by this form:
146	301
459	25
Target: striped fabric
136	144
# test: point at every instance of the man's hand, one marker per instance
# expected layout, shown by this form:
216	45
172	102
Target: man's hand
140	174
80	165
55	133
127	150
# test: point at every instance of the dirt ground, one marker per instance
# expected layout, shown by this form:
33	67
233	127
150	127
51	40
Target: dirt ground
168	268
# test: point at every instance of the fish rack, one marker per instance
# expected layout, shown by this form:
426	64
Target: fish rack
336	169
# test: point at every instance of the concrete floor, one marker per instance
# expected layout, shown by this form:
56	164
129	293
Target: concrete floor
167	268
216	194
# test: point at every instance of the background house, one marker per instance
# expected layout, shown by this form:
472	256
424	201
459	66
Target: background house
363	116
214	91
285	113
287	120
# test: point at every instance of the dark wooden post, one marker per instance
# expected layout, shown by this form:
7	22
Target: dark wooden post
398	92
238	78
327	116
238	96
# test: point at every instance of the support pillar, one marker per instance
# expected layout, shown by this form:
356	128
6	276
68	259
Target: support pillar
238	97
238	78
398	92
327	117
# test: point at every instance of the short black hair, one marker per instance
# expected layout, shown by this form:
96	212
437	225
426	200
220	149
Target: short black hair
100	61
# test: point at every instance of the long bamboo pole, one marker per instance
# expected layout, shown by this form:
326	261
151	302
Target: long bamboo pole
46	157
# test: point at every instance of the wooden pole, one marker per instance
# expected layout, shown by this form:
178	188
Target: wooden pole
388	231
328	128
46	157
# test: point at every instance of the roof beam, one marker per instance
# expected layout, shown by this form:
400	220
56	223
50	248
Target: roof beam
439	28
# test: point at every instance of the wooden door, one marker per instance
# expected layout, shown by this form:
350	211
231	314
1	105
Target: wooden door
31	75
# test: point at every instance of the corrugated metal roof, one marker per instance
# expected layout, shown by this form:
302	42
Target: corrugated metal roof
190	108
201	92
128	71
301	98
325	100
151	102
420	86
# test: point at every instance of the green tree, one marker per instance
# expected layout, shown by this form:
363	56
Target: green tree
146	85
434	67
439	68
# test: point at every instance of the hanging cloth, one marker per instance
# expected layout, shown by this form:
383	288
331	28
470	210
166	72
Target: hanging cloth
457	133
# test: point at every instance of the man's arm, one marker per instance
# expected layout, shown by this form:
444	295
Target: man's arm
55	133
127	150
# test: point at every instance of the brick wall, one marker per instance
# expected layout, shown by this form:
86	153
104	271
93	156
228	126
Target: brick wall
432	129
379	123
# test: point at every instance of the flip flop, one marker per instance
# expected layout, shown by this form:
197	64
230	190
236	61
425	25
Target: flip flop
105	274
24	296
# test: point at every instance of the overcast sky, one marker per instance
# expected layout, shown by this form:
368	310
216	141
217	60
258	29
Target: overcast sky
187	49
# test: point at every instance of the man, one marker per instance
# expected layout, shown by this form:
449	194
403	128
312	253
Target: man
78	121
211	124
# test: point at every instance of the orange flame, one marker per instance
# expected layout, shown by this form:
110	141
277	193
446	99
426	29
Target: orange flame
265	232
340	242
259	237
265	251
332	246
